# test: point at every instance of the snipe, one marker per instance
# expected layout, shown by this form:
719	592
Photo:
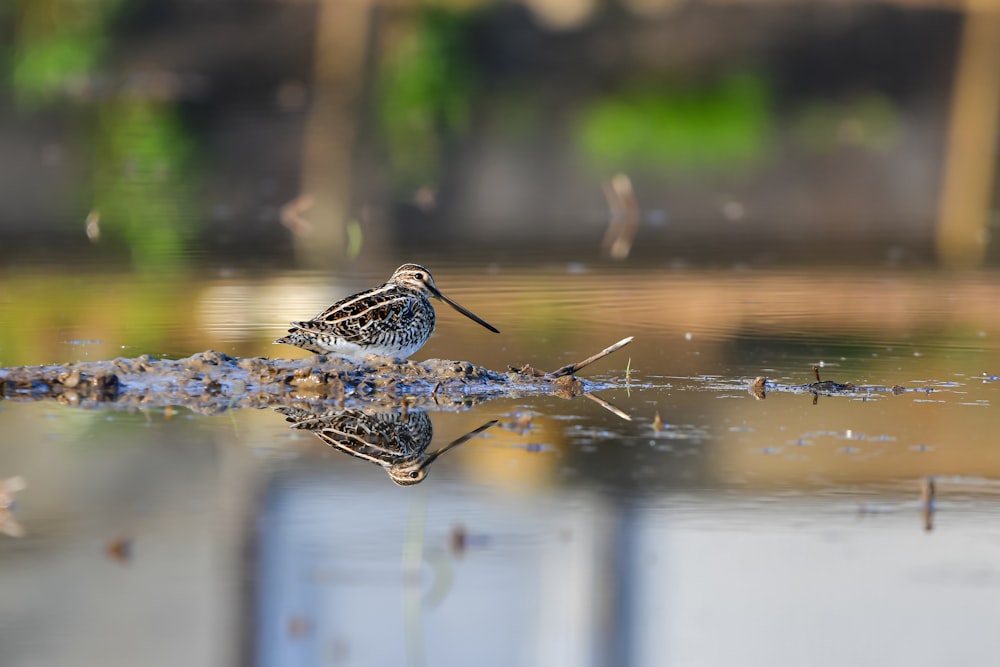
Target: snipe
393	320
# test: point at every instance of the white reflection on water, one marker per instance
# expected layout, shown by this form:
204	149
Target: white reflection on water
577	577
602	549
797	583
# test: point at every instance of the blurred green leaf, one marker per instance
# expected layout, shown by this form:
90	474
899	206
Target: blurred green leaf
142	180
425	85
56	41
681	127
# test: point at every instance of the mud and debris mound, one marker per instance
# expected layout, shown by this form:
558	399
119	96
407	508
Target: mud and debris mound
760	386
211	381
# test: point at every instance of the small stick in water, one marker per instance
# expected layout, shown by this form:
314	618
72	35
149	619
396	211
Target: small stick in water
573	368
927	502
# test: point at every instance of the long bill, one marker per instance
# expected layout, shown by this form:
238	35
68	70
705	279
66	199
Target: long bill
458	441
468	313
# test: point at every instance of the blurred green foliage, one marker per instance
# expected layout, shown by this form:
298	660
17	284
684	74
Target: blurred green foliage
425	86
140	150
143	180
56	41
46	309
684	127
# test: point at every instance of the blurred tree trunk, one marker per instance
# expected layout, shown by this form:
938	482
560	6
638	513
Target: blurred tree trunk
342	29
970	160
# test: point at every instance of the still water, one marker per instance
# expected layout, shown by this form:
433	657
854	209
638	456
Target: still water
688	523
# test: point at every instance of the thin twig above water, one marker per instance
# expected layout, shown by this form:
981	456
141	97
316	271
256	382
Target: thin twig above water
573	368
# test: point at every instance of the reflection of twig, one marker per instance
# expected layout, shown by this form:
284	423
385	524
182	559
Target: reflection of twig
608	406
291	215
628	377
624	221
573	368
927	497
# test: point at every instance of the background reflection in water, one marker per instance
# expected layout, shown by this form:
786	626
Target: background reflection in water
730	530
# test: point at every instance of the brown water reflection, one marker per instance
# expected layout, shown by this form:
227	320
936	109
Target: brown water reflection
729	530
696	332
686	322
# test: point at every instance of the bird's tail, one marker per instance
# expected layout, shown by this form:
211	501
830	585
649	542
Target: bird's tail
284	340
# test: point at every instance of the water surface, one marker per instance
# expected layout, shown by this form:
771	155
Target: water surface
708	528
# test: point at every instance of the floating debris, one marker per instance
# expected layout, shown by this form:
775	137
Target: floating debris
458	540
658	423
760	386
521	423
119	549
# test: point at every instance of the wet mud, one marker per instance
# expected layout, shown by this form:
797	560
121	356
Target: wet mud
761	386
211	382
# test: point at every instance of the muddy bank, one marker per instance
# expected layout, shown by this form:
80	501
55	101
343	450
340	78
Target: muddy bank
210	382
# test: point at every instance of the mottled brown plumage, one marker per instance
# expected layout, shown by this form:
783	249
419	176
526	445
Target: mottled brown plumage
394	319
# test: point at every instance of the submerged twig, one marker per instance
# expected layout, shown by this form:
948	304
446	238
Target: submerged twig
573	368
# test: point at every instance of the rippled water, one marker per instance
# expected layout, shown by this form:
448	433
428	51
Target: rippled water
689	523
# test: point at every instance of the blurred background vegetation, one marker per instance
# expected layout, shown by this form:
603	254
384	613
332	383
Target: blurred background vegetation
153	133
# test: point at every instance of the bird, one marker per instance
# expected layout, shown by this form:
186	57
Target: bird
394	319
395	439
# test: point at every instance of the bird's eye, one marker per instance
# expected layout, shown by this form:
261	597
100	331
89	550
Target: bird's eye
419	276
414	474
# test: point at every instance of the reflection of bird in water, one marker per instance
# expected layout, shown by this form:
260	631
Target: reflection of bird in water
392	320
396	440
